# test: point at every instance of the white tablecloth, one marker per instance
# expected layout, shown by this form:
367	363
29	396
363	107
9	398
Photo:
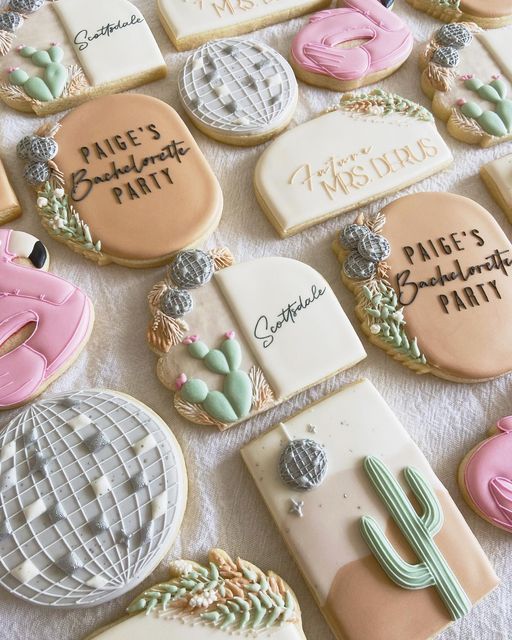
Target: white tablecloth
224	507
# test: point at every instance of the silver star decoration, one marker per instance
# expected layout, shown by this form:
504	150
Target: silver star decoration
311	428
296	507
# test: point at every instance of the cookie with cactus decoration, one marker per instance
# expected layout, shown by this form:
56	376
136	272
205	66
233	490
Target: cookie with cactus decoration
55	55
377	536
216	600
230	347
489	14
121	180
431	277
467	73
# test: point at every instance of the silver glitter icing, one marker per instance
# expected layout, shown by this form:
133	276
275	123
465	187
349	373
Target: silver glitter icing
303	464
10	21
351	234
454	35
96	442
192	269
176	303
26	6
358	268
36	173
42	149
139	481
374	247
238	98
446	57
68	559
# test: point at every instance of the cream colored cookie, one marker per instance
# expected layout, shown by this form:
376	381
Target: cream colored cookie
238	92
191	23
9	206
497	176
430	276
212	602
94	56
467	73
330	52
121	179
489	14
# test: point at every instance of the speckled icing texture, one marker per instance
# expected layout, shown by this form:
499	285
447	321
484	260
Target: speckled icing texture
371	145
87	539
238	87
356	596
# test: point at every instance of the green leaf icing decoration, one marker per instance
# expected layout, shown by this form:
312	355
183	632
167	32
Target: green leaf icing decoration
234	401
52	84
62	220
498	122
419	531
225	594
382	103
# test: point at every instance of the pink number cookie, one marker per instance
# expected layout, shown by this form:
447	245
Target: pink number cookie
342	49
44	320
485	476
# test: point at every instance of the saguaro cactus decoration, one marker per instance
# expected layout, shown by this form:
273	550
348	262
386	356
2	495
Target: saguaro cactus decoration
54	79
497	122
433	570
234	401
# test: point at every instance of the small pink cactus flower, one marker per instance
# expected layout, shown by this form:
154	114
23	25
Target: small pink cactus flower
191	339
460	102
230	335
12	69
20	47
180	381
54	44
496	76
467	76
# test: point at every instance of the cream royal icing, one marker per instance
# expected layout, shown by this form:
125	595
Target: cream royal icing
356	596
9	205
190	23
259	330
70	466
382	143
488	13
321	46
238	88
498	176
61	313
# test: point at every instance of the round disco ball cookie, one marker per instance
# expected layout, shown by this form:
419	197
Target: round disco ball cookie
238	91
303	464
92	494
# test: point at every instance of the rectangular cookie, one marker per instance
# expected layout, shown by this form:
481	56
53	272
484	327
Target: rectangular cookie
9	206
497	176
339	480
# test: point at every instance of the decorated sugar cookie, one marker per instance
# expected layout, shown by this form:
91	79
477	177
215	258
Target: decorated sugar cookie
93	489
359	44
191	23
230	347
238	91
45	321
366	147
121	179
489	14
371	527
54	55
467	73
497	176
431	273
9	206
215	600
485	476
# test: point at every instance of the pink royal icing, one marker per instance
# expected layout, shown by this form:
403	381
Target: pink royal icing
488	476
387	41
60	311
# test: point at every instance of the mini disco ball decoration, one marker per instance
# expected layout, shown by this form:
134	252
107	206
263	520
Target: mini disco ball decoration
192	269
454	35
446	57
26	6
374	247
352	234
356	267
176	303
303	464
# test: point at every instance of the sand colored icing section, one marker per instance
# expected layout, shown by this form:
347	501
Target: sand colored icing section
341	160
103	35
498	177
293	322
487	8
164	196
345	579
462	324
497	44
9	205
160	627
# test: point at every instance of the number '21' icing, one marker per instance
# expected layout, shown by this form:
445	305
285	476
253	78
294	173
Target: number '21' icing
61	312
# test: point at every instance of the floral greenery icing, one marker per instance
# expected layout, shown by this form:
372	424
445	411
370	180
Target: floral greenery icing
381	103
225	594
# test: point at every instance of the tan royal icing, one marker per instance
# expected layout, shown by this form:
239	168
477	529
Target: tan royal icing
487	8
462	327
170	204
500	172
326	542
8	200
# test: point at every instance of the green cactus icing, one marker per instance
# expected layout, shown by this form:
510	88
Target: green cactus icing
52	84
495	123
234	401
419	530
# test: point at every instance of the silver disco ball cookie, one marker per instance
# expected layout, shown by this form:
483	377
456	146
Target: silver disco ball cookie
80	527
351	234
192	269
26	6
176	303
356	267
446	57
374	247
303	464
454	35
10	21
